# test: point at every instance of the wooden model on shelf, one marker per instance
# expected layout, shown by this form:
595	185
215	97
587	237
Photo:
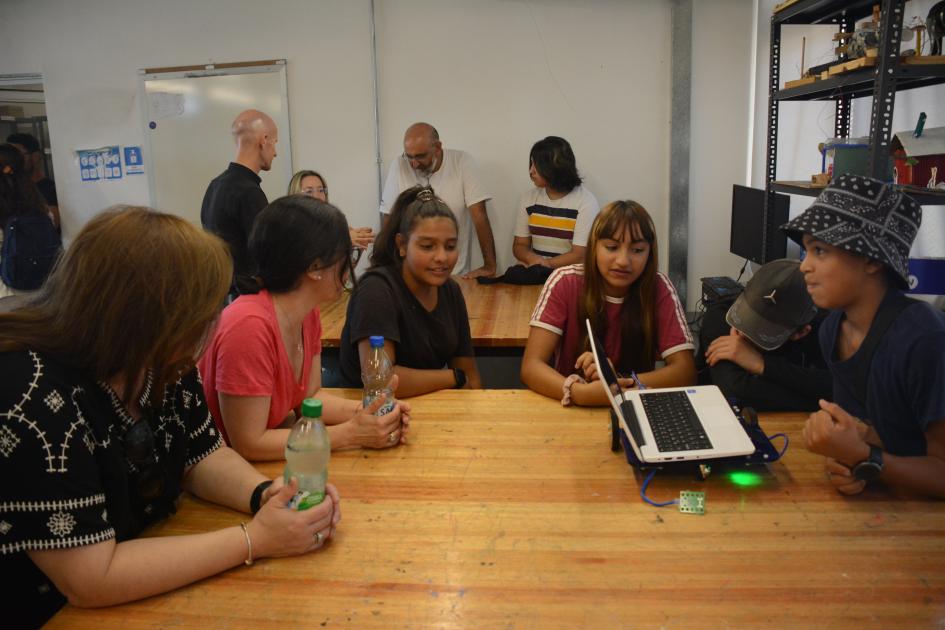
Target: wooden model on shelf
920	160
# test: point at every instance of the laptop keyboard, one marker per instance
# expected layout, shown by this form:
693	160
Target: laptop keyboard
674	422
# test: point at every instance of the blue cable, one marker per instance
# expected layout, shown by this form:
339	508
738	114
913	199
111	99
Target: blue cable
786	442
643	496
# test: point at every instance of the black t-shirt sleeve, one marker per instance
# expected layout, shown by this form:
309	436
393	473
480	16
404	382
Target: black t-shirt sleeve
461	317
373	311
53	495
712	326
925	380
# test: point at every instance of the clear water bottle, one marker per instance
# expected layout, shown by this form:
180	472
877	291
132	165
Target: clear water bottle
376	374
307	452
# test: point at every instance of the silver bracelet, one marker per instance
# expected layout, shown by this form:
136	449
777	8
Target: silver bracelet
249	546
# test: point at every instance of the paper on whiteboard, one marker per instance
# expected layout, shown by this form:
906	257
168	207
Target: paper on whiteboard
166	104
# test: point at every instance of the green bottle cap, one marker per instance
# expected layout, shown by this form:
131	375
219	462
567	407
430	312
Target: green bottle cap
311	408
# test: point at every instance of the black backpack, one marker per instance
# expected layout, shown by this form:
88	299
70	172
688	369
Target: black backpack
31	245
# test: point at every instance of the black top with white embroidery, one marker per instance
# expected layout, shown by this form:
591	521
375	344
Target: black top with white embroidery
66	479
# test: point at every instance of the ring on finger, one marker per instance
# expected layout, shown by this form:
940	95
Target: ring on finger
392	437
318	538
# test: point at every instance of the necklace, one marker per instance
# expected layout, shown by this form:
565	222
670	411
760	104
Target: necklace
298	346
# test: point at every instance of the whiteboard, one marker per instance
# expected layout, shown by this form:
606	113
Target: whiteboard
187	116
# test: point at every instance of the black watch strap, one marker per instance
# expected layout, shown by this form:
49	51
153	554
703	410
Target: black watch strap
460	377
256	498
871	467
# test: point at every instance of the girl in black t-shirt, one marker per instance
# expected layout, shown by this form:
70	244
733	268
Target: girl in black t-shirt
408	297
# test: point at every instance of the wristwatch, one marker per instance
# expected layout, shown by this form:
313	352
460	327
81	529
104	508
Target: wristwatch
871	467
256	499
460	377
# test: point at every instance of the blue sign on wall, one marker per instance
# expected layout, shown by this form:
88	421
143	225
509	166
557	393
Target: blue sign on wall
99	164
134	162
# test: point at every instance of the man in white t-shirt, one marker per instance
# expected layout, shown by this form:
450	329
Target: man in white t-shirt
454	178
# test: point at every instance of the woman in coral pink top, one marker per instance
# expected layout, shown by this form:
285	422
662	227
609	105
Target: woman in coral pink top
265	356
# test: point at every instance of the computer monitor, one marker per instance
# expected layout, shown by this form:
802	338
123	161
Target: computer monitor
749	232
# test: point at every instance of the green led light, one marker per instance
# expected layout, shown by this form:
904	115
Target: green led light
744	478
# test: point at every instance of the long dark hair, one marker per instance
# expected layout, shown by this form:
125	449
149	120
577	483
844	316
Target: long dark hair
554	160
137	289
18	195
414	204
295	234
638	313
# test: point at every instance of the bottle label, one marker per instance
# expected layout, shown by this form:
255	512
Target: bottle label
303	500
384	409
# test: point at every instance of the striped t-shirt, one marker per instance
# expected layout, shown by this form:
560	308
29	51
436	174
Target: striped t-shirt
555	224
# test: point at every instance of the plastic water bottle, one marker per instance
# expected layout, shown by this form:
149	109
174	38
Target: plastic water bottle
376	375
307	452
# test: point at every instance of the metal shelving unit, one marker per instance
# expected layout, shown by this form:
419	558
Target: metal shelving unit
881	81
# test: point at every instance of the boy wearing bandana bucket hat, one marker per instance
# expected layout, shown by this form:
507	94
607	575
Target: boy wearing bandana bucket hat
886	352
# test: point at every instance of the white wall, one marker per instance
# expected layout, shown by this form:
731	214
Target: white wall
493	75
89	55
721	113
496	76
802	124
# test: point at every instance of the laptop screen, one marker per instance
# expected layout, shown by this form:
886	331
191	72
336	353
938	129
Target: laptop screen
605	369
609	377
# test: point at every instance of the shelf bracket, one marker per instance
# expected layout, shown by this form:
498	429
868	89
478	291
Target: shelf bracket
884	87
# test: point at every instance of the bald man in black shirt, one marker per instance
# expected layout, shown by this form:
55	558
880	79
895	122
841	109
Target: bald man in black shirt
234	198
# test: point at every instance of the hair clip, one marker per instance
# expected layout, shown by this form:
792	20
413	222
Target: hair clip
426	194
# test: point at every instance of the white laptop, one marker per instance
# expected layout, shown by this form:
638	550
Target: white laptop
672	423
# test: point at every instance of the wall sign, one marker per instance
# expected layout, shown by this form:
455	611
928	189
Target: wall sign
134	163
99	164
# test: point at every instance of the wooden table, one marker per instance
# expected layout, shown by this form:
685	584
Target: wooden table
507	510
498	314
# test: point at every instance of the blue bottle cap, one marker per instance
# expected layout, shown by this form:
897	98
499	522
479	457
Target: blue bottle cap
376	341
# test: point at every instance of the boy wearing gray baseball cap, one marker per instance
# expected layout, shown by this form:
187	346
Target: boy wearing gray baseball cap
885	351
763	354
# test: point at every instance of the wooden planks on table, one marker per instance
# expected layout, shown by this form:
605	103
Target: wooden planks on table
506	509
498	314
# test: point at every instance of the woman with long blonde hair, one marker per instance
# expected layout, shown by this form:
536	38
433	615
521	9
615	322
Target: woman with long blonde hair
633	310
105	424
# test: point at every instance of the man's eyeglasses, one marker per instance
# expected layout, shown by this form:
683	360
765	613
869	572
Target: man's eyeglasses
422	157
139	449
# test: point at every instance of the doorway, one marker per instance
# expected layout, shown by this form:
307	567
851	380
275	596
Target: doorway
23	111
